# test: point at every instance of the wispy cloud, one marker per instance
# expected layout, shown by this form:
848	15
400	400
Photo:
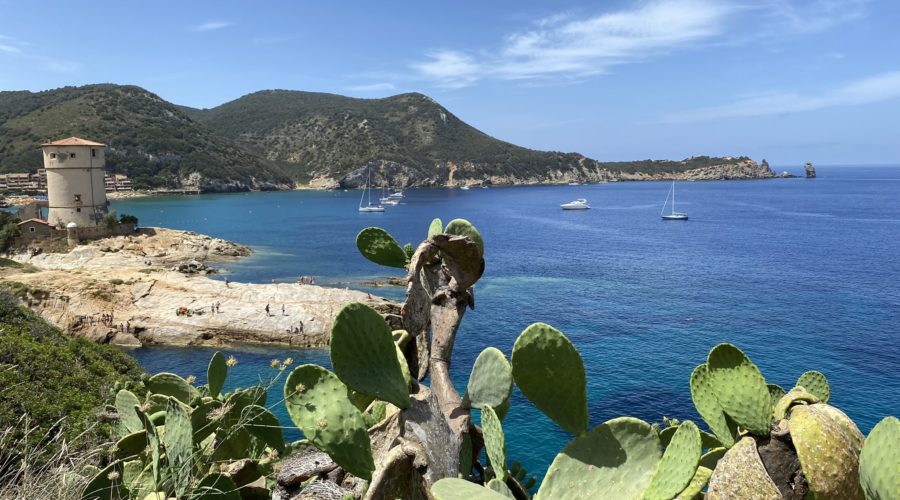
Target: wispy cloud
877	88
373	87
812	16
211	26
60	66
562	47
9	49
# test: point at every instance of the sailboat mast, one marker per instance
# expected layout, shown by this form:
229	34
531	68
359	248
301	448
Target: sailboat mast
673	196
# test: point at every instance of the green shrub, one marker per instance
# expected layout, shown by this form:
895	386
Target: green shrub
116	281
60	383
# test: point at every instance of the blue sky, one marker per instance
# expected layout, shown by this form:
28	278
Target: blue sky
787	80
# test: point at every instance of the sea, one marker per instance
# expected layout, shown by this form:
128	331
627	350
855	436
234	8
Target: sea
801	274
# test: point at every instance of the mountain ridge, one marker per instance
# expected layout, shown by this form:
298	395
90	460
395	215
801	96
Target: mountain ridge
279	139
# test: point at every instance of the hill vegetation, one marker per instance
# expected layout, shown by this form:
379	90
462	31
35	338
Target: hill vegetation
274	138
52	387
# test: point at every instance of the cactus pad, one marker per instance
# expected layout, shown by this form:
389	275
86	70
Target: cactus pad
550	373
317	403
709	408
815	383
263	425
879	462
452	488
678	464
216	373
490	381
776	392
740	474
500	487
462	227
365	357
698	482
494	441
380	247
436	227
107	484
712	457
797	395
216	487
128	421
828	454
740	388
131	445
169	384
179	446
616	459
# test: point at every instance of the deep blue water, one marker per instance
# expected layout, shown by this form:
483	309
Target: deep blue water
800	274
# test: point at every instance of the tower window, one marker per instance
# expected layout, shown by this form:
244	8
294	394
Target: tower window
77	198
52	156
31	229
71	155
78	209
93	152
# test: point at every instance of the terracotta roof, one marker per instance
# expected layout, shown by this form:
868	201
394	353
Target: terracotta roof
73	141
41	221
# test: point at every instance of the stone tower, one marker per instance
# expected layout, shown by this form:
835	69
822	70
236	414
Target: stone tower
75	188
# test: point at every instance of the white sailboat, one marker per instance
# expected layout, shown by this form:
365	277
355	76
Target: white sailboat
579	204
367	190
673	215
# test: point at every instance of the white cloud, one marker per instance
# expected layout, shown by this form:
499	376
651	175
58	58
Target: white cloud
9	49
877	88
211	26
59	66
812	16
450	68
562	47
373	87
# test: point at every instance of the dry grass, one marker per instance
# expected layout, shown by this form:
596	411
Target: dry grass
27	472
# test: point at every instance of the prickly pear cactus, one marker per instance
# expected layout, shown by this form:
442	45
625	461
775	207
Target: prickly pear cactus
709	408
435	228
740	388
364	355
550	373
216	487
816	384
741	474
616	459
678	465
169	384
452	488
490	381
216	373
879	462
494	441
179	447
128	421
380	247
462	227
828	445
318	404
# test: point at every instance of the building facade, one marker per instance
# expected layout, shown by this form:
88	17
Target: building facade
76	190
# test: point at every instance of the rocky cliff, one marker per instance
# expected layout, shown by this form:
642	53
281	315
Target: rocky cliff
134	279
810	170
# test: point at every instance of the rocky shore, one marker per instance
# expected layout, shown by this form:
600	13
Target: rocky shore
155	291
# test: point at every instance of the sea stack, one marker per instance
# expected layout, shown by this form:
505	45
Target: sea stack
810	170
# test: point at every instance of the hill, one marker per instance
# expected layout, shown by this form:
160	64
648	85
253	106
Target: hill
328	140
150	139
274	139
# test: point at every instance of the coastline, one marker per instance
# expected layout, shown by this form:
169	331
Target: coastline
135	279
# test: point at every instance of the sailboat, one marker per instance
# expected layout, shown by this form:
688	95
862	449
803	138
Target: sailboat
672	215
367	190
391	199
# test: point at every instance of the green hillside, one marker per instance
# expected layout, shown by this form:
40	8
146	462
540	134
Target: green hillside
271	139
331	135
150	139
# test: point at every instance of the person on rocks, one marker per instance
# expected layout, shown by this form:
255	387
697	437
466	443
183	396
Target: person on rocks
282	310
267	310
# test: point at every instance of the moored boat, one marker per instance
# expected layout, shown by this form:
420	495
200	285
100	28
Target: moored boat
579	204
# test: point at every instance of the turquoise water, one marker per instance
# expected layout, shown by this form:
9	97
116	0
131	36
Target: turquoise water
801	274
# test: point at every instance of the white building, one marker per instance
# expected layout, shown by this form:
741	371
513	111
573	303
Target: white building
75	186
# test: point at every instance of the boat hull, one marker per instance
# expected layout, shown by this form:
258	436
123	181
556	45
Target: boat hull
371	209
675	217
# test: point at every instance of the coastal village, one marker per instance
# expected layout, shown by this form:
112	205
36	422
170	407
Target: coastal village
112	282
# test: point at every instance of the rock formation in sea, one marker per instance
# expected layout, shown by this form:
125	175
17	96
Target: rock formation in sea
810	170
